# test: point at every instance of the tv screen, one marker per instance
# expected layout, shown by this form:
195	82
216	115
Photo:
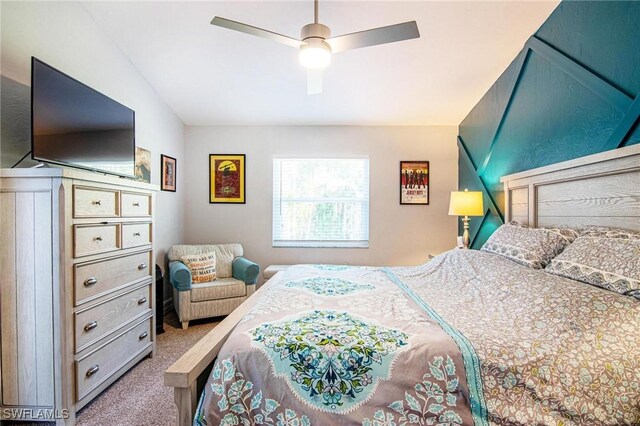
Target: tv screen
75	125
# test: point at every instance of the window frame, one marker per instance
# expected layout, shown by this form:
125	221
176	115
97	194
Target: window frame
320	243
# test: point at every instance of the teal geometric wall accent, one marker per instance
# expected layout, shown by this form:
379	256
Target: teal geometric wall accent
573	90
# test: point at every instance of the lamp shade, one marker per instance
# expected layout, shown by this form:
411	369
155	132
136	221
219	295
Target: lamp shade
466	203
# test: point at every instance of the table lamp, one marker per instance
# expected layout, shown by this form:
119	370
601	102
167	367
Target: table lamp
466	203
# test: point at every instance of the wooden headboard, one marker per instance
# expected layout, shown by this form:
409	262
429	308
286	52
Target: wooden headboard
600	189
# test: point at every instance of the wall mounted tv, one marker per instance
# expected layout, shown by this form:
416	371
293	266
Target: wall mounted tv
75	125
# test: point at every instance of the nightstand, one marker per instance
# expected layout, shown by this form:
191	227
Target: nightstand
271	270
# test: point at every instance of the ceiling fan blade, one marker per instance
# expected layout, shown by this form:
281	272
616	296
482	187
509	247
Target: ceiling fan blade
259	32
382	35
314	81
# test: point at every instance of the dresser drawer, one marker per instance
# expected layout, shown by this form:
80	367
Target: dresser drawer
96	278
93	239
101	364
135	205
136	234
95	202
96	322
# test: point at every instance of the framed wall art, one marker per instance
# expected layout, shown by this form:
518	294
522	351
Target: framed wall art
227	178
414	182
143	165
167	173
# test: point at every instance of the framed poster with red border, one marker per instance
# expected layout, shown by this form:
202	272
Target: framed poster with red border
227	179
414	183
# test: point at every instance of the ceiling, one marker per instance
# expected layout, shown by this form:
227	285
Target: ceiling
213	76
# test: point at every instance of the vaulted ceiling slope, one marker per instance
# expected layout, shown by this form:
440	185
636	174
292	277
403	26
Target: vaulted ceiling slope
212	76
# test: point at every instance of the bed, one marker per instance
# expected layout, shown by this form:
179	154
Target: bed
470	337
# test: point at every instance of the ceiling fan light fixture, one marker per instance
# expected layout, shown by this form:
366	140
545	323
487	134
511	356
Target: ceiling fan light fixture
316	44
315	54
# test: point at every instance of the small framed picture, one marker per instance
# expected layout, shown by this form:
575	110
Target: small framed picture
414	182
227	178
143	165
167	173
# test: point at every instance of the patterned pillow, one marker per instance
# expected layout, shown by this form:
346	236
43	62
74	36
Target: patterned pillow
531	247
633	293
604	257
606	232
202	267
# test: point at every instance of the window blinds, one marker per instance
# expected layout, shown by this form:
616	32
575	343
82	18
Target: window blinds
321	202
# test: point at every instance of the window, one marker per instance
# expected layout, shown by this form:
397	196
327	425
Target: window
321	202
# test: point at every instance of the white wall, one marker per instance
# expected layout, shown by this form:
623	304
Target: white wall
65	36
399	235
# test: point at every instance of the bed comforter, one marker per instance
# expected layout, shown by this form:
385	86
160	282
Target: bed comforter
468	338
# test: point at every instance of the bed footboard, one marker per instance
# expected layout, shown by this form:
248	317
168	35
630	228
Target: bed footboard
183	375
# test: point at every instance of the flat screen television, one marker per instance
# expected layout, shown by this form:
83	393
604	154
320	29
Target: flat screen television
75	125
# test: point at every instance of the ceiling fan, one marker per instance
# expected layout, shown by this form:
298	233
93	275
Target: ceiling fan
316	44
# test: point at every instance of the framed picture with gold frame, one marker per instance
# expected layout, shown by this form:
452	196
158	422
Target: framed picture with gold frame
227	179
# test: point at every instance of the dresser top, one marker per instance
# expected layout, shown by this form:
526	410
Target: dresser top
62	172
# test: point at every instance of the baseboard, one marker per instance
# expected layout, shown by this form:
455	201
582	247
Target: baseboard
167	305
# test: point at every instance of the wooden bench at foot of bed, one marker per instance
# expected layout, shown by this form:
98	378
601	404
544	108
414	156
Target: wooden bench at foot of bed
183	375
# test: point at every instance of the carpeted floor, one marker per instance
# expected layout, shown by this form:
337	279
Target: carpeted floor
140	396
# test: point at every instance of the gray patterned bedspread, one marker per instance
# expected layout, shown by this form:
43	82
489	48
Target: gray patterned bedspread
468	338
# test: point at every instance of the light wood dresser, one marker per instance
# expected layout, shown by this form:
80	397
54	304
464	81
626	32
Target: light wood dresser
76	293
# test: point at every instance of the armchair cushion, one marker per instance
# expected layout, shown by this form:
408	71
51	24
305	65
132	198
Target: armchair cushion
180	276
245	270
222	288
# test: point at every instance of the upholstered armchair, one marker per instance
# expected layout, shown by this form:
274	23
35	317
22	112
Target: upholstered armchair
236	280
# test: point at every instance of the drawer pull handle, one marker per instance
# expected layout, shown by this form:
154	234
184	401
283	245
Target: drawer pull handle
142	266
136	234
97	203
136	204
93	370
142	300
143	335
90	281
98	238
90	326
